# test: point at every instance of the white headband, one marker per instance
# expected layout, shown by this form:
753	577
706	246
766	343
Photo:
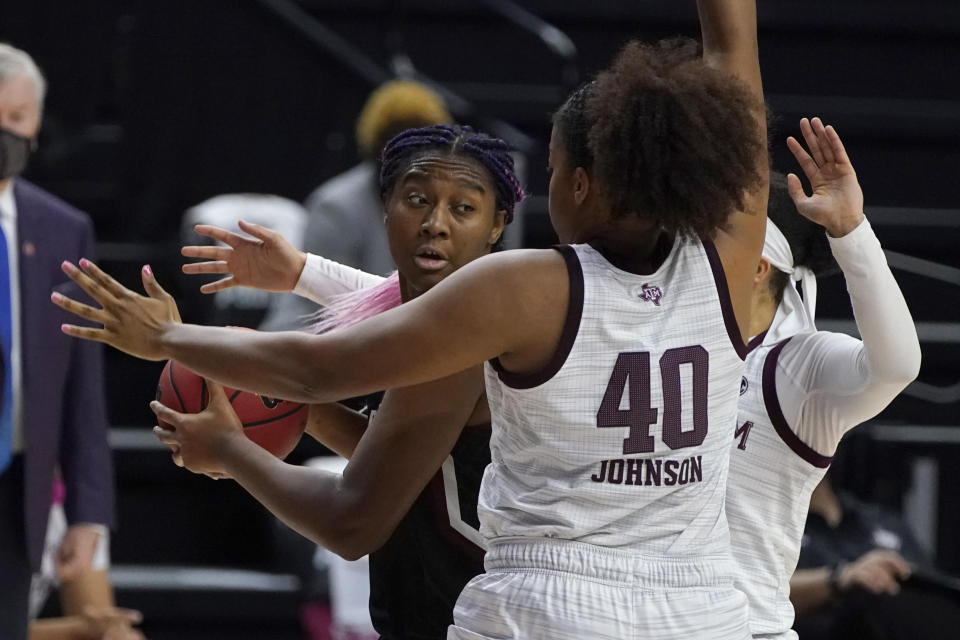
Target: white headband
799	313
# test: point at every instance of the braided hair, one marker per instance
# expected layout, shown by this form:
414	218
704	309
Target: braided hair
570	122
492	153
397	155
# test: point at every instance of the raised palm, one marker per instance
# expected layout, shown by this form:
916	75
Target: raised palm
837	200
263	261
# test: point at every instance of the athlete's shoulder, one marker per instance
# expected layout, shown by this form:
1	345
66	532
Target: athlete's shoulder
811	346
519	266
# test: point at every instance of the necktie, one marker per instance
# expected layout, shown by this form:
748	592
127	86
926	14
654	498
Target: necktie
6	342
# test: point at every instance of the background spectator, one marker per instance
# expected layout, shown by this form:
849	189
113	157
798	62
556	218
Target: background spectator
862	574
53	401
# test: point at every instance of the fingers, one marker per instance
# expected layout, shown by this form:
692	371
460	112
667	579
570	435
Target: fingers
806	162
167	437
208	252
78	308
836	146
218	266
103	279
256	230
825	149
88	284
216	393
85	333
130	615
151	286
795	188
166	414
897	566
810	138
219	285
226	237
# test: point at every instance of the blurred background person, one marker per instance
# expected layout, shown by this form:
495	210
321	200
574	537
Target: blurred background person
86	601
862	574
52	409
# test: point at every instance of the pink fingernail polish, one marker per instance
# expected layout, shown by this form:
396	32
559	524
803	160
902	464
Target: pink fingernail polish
56	297
84	263
147	270
66	266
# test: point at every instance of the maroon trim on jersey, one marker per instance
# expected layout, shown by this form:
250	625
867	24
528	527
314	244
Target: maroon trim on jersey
772	404
570	329
757	340
729	317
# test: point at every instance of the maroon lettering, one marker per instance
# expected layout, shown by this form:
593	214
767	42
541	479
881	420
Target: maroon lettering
631	371
670	362
670	471
616	472
653	472
598	477
743	432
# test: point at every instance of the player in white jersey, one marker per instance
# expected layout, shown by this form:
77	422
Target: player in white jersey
677	153
803	388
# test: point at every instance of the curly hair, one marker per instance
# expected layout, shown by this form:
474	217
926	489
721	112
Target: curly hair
492	153
808	241
673	140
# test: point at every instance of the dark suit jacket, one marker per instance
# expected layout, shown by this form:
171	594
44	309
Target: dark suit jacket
64	417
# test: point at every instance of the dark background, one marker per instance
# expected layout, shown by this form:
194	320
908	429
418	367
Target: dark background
156	105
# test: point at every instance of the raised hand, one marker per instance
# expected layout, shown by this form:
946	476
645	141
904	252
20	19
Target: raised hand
131	322
837	200
265	261
199	438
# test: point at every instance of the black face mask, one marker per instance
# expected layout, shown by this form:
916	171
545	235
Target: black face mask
15	150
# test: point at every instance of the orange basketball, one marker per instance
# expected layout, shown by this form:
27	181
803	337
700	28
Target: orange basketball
276	425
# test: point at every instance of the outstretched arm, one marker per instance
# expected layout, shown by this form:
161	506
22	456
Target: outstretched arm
729	32
266	260
263	260
355	513
323	279
492	307
836	382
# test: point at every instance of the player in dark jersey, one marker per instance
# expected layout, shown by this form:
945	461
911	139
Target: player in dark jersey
448	192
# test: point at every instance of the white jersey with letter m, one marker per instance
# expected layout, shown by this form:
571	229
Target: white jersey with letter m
623	441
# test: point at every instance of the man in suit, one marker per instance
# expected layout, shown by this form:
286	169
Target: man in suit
52	409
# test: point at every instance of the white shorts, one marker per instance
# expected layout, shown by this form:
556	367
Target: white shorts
566	590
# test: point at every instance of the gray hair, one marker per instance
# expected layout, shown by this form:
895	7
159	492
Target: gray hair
15	62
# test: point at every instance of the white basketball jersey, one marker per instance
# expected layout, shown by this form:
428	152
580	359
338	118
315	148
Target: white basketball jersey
772	474
623	440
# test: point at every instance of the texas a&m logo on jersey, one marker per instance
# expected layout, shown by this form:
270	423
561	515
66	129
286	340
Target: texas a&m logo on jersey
651	293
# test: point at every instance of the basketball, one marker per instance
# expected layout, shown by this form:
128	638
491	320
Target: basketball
276	425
